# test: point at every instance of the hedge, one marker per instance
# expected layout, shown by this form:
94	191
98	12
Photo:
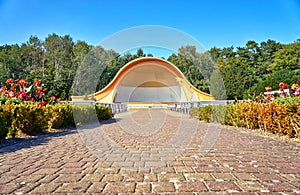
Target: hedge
278	117
26	118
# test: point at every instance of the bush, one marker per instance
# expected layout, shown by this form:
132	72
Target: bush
27	118
277	116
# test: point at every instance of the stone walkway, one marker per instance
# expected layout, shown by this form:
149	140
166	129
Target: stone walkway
150	152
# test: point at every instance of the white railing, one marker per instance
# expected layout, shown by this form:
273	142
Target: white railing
115	107
184	107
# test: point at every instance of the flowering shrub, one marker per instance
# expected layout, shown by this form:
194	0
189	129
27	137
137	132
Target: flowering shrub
19	91
283	92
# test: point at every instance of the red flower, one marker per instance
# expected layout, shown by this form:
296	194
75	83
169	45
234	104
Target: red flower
39	93
37	82
40	89
3	88
43	103
22	95
268	88
9	81
45	90
283	85
23	82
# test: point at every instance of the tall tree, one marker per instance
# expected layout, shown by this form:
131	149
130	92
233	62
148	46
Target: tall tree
59	63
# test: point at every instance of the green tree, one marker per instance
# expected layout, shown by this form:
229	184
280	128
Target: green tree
286	58
59	64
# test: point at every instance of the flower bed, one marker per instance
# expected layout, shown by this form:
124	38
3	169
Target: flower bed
27	109
26	118
280	116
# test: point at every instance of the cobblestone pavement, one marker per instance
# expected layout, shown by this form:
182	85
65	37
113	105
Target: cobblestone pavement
127	162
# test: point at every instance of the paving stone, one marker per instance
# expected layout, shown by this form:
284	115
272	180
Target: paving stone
269	177
251	186
112	178
290	177
70	171
150	177
44	171
207	169
78	187
244	176
170	177
184	169
134	177
25	188
162	187
223	186
92	177
75	164
279	187
46	188
191	187
164	170
8	188
238	163
223	176
143	187
7	178
28	179
198	177
65	178
106	170
48	178
124	187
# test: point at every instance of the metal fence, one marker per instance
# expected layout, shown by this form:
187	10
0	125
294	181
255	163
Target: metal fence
184	107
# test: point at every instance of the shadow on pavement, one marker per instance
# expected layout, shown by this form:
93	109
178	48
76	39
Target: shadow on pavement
12	145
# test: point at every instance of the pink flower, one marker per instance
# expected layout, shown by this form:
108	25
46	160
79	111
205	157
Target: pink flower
296	93
11	94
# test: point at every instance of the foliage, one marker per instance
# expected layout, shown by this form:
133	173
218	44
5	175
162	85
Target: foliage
58	59
287	57
18	91
284	91
244	67
277	117
285	75
25	119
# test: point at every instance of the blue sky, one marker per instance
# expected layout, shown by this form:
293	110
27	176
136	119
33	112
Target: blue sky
213	23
